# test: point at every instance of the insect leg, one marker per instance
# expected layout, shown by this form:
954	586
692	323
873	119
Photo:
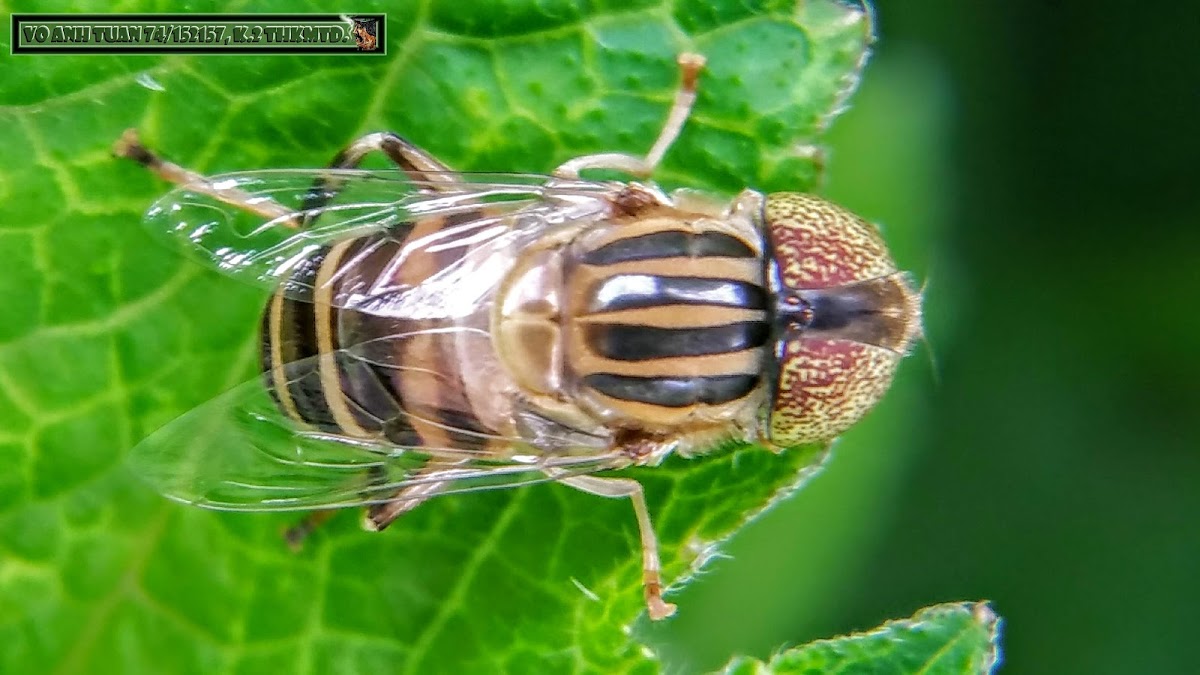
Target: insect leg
296	534
130	147
690	66
418	164
406	499
625	487
422	168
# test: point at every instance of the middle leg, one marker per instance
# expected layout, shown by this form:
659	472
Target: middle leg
420	166
414	161
379	516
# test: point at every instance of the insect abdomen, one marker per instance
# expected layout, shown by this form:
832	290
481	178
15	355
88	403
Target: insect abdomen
666	322
301	333
367	373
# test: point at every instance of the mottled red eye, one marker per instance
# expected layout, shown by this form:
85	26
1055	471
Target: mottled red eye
818	244
825	386
850	316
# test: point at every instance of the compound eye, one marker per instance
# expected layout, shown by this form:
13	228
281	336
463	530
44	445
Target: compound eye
818	244
825	386
839	353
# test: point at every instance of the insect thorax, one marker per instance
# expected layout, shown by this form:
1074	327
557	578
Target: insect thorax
657	322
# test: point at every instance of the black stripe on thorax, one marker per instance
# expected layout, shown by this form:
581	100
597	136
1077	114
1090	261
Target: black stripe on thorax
634	291
669	244
628	342
673	392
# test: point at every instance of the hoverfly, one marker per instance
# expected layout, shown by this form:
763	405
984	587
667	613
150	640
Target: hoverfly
433	332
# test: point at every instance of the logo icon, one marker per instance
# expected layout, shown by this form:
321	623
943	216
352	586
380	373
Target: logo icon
365	31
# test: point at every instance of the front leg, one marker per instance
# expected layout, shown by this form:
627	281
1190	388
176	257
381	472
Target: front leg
690	66
656	607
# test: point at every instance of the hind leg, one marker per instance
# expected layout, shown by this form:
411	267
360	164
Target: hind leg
428	173
296	534
130	147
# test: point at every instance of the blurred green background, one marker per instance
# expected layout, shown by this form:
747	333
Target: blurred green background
1048	152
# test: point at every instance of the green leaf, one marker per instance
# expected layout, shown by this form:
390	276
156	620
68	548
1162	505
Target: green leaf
105	335
950	639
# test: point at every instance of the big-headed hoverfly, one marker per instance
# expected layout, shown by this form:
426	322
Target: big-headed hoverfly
434	332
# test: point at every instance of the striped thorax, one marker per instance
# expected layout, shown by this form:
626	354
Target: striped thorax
655	321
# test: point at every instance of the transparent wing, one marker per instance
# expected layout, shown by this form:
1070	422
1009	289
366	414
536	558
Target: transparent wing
239	452
261	226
